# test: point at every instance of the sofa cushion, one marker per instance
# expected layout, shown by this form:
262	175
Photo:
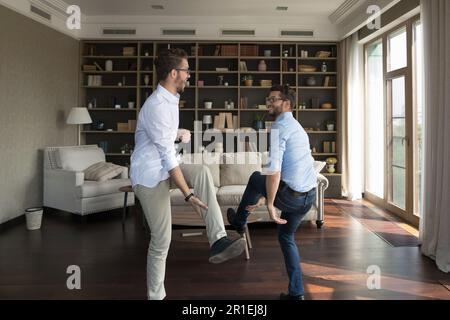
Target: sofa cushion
230	195
236	168
177	197
102	171
78	159
91	189
211	160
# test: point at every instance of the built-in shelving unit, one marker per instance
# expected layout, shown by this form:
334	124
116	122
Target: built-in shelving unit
132	79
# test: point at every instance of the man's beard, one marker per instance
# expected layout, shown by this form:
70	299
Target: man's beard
275	113
180	87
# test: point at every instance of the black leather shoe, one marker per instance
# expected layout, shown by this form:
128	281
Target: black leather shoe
284	296
231	217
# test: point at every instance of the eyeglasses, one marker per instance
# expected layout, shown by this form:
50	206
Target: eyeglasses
188	71
272	100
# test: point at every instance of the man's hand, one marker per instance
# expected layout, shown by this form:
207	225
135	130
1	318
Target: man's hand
184	135
196	203
253	207
274	215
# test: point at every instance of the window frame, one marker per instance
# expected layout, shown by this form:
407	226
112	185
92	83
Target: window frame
408	72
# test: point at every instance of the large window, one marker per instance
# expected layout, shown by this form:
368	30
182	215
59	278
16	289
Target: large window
397	56
394	109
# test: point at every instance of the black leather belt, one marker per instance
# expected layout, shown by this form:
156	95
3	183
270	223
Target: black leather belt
293	192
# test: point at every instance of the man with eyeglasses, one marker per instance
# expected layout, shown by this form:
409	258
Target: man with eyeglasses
154	162
287	184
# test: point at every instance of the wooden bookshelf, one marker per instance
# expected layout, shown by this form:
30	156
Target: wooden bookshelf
138	74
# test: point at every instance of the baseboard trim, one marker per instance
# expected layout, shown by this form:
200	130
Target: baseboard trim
13	222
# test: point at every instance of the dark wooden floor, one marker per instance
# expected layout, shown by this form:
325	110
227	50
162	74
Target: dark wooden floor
112	261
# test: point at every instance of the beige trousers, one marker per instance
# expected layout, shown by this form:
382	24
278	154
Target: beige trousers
155	203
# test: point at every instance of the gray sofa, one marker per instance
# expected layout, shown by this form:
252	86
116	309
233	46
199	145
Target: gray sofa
230	172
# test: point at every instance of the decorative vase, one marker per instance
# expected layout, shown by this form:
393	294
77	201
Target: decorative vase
248	83
262	66
311	81
330	127
109	65
146	79
330	168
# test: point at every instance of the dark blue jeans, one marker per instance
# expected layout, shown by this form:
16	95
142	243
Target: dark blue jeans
293	209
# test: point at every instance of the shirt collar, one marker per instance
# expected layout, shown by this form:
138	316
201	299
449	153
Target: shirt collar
173	98
284	116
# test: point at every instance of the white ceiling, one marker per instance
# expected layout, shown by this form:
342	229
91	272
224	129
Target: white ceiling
251	8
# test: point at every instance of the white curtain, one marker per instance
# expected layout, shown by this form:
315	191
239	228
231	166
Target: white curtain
352	117
435	222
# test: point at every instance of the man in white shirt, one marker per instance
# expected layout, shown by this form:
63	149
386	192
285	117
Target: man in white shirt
154	162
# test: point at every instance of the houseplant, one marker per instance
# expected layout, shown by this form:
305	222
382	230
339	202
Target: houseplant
248	80
258	123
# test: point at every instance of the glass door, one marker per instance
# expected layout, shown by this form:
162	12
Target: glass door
398	143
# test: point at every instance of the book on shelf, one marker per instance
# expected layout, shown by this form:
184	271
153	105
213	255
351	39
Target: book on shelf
89	67
243	66
228	50
235	122
216	122
229	118
94	81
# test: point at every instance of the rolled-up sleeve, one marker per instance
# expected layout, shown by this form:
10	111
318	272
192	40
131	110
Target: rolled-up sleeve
276	151
160	128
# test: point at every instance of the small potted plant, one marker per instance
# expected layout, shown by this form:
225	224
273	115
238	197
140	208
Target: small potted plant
330	125
331	162
258	123
248	80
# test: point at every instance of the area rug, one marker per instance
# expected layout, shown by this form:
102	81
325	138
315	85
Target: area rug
387	230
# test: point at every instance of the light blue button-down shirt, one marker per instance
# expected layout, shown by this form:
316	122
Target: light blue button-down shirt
290	154
156	131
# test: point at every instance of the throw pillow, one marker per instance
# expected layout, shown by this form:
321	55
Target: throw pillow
102	171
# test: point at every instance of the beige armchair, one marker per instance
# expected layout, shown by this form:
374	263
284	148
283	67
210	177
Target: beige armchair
66	189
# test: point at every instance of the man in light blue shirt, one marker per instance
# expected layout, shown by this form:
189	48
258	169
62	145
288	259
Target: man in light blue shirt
154	162
288	183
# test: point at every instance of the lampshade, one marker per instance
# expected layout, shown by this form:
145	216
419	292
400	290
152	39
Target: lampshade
207	119
79	116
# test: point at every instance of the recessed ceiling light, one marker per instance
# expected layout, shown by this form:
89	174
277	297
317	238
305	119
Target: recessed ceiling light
279	8
157	7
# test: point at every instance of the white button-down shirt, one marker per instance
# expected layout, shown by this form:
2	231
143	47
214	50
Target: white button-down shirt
154	153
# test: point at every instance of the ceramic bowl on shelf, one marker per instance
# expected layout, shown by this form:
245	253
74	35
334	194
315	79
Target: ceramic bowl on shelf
306	68
327	106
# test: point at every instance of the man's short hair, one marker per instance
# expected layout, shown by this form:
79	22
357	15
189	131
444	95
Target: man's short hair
287	94
167	60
